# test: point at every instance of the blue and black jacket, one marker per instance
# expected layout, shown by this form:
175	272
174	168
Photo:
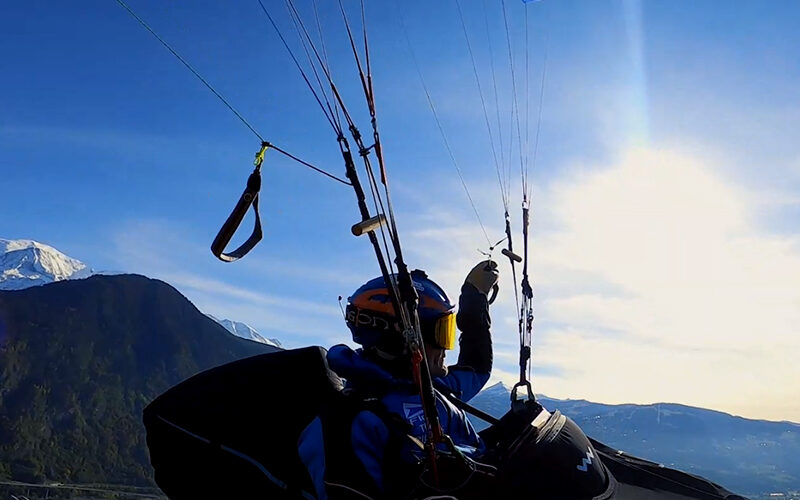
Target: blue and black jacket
396	402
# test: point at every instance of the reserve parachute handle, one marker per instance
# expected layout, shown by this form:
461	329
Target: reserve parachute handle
249	197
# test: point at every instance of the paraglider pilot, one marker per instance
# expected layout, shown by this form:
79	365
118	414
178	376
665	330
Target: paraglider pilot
380	371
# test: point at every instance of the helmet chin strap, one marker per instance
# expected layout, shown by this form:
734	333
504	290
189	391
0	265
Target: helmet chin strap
385	355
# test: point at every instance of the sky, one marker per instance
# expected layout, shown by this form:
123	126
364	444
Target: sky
665	190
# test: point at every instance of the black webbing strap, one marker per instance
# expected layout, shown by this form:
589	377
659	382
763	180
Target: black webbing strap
249	197
495	289
464	406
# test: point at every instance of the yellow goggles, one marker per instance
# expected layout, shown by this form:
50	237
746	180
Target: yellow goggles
445	332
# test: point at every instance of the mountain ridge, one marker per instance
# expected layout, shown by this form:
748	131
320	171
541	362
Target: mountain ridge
27	263
498	386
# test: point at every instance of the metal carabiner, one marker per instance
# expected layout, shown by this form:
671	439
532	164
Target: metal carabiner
515	402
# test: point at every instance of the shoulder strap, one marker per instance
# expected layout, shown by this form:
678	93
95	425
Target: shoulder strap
464	406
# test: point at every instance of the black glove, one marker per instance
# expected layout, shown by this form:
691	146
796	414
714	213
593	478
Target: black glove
473	318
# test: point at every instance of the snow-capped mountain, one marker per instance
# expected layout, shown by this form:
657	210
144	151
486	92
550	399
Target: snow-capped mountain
245	331
26	263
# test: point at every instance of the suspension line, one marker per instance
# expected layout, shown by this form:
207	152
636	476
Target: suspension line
439	124
299	67
222	98
515	104
483	105
496	105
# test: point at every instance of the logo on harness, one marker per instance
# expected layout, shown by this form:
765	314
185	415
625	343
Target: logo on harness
586	462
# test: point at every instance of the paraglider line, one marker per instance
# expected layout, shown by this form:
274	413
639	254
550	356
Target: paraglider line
222	99
439	125
515	108
299	67
505	186
326	65
298	160
483	103
330	114
189	66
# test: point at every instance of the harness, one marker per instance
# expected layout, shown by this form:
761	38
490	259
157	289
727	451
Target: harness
346	476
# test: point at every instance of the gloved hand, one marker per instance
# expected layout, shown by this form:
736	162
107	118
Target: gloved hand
483	276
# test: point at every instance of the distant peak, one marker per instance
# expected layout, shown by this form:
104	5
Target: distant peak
245	331
504	388
498	386
20	244
27	263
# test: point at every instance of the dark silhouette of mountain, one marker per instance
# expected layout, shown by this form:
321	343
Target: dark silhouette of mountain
80	359
744	455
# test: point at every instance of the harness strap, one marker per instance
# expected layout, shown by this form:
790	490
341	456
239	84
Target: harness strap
464	406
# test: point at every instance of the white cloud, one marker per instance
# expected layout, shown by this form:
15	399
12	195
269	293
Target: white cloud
654	283
211	286
710	308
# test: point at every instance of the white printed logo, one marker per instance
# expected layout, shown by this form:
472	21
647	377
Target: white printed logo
415	415
586	462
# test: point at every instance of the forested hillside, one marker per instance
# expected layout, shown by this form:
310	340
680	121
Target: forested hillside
79	360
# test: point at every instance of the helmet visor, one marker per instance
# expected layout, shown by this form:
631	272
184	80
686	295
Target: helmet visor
445	333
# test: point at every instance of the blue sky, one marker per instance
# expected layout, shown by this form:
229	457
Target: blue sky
666	191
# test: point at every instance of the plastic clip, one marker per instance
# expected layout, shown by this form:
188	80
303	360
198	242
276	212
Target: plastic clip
260	155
